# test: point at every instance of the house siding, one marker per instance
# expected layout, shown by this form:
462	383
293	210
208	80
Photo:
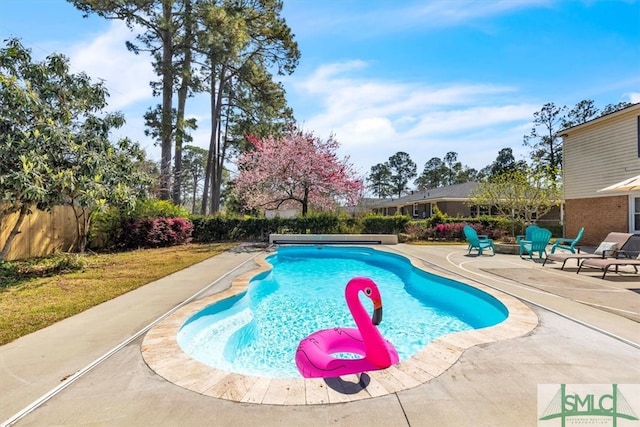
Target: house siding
455	208
599	154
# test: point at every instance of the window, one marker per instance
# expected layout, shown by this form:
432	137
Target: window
636	214
479	211
415	209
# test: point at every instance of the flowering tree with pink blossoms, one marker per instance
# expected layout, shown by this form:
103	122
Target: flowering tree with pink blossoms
298	169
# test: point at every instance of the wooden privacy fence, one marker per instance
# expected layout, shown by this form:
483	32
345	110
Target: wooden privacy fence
41	234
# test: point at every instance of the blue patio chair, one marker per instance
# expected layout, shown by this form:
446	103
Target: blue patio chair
567	243
540	238
527	233
475	242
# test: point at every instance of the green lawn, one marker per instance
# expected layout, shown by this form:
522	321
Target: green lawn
29	301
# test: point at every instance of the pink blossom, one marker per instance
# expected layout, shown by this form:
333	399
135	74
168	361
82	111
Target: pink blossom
296	170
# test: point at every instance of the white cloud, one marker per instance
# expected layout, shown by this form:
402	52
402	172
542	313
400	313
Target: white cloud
471	117
450	13
373	119
125	74
405	16
634	97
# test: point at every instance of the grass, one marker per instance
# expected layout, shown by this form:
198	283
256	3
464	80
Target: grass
37	293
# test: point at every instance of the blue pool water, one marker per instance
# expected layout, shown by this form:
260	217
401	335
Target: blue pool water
257	332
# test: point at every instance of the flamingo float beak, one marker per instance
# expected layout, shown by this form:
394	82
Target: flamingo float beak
377	312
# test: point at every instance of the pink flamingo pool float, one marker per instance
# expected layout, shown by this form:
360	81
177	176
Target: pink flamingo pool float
314	356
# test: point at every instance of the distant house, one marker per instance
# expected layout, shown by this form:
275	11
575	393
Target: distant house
596	154
450	200
281	213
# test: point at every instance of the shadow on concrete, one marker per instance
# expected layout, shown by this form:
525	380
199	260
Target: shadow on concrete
349	387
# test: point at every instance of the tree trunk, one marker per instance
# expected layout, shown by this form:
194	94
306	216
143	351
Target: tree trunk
182	100
218	164
212	158
166	67
78	240
214	170
177	165
305	202
207	171
195	191
222	154
83	220
14	232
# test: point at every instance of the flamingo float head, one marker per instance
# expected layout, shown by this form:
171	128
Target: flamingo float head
370	290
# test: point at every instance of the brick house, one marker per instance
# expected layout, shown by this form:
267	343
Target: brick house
421	203
452	200
596	154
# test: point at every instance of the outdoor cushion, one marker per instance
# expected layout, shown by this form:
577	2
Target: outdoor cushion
606	247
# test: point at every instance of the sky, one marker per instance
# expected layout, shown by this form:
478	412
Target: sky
383	76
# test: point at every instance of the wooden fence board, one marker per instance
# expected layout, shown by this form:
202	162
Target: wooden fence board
42	233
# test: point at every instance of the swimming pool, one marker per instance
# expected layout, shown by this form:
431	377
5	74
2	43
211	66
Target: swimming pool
164	356
257	332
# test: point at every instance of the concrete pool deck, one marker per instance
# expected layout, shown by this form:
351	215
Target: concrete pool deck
88	370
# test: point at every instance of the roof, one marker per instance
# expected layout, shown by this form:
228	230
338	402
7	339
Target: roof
450	192
598	119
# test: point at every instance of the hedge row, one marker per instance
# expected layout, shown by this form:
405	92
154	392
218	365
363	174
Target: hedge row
221	228
158	223
218	228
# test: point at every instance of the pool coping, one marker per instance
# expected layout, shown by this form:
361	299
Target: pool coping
162	353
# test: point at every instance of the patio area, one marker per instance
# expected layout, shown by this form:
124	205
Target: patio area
89	370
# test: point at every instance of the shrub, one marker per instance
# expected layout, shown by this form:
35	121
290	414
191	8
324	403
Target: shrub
314	224
417	229
214	229
154	208
378	224
107	227
350	225
453	228
64	262
221	228
155	232
490	231
13	271
8	273
437	217
450	231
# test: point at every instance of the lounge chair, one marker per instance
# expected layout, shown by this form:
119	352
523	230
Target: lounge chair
539	240
567	243
606	263
613	243
475	242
